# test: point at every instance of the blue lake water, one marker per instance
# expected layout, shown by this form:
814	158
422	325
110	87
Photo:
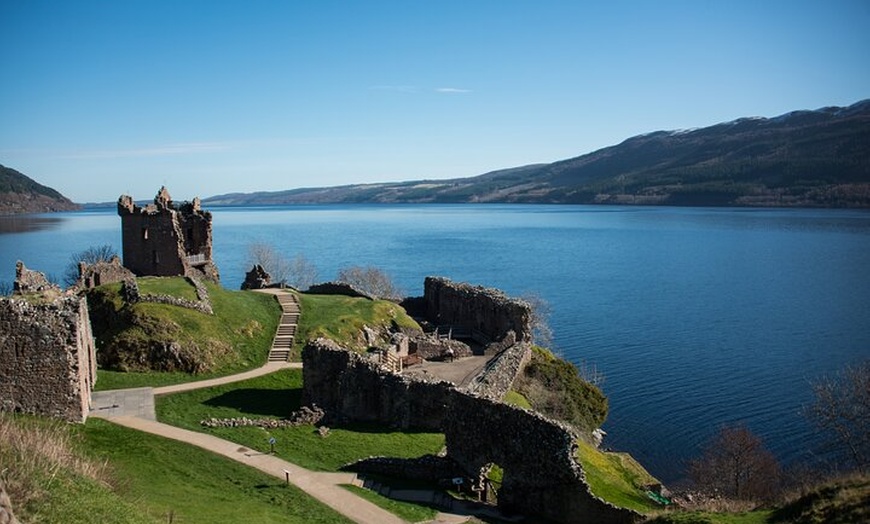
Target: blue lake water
696	317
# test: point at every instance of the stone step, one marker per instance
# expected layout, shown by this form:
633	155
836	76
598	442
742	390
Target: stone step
279	357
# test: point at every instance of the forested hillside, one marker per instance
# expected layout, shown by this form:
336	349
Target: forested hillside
21	194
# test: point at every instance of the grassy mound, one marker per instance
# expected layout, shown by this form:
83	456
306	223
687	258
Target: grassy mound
276	396
616	478
553	387
146	337
343	318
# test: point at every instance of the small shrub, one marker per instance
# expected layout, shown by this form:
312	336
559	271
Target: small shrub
373	281
554	387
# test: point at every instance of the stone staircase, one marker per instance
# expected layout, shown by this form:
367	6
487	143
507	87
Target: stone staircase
286	332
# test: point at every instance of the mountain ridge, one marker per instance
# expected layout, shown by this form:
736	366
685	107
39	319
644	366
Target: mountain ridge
813	158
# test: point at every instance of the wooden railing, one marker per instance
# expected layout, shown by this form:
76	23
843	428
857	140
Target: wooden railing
196	260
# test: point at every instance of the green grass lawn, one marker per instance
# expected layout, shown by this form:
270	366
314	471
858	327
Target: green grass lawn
164	478
515	398
276	396
236	338
172	286
616	478
342	318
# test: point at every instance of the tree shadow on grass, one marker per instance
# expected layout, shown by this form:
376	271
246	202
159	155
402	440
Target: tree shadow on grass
261	402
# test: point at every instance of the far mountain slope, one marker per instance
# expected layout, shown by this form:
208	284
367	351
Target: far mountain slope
21	194
803	158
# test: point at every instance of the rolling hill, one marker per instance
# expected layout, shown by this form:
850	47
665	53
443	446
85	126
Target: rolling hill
818	158
21	194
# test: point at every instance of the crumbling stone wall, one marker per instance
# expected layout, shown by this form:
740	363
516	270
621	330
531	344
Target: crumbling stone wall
256	278
541	476
476	308
28	281
47	355
430	346
346	384
162	239
130	292
498	376
101	273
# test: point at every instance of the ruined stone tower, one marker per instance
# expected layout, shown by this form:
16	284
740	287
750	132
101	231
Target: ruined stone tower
162	239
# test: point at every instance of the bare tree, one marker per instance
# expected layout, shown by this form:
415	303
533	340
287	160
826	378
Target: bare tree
298	273
302	273
842	408
735	464
541	331
90	256
6	288
374	281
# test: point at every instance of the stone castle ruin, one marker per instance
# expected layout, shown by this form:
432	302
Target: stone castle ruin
541	475
165	239
47	354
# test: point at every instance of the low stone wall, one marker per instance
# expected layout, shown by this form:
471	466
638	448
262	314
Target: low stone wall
131	294
498	376
48	357
541	476
431	347
476	308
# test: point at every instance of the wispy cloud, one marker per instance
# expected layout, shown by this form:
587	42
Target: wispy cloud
184	148
417	89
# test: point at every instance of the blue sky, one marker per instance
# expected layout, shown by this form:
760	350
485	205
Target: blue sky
103	98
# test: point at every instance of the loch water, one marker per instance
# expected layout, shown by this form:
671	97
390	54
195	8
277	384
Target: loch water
696	317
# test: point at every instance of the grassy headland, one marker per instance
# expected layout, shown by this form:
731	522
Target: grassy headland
342	319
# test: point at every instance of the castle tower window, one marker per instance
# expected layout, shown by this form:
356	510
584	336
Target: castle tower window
144	233
155	257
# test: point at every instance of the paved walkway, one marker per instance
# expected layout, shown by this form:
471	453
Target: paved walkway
460	372
322	486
